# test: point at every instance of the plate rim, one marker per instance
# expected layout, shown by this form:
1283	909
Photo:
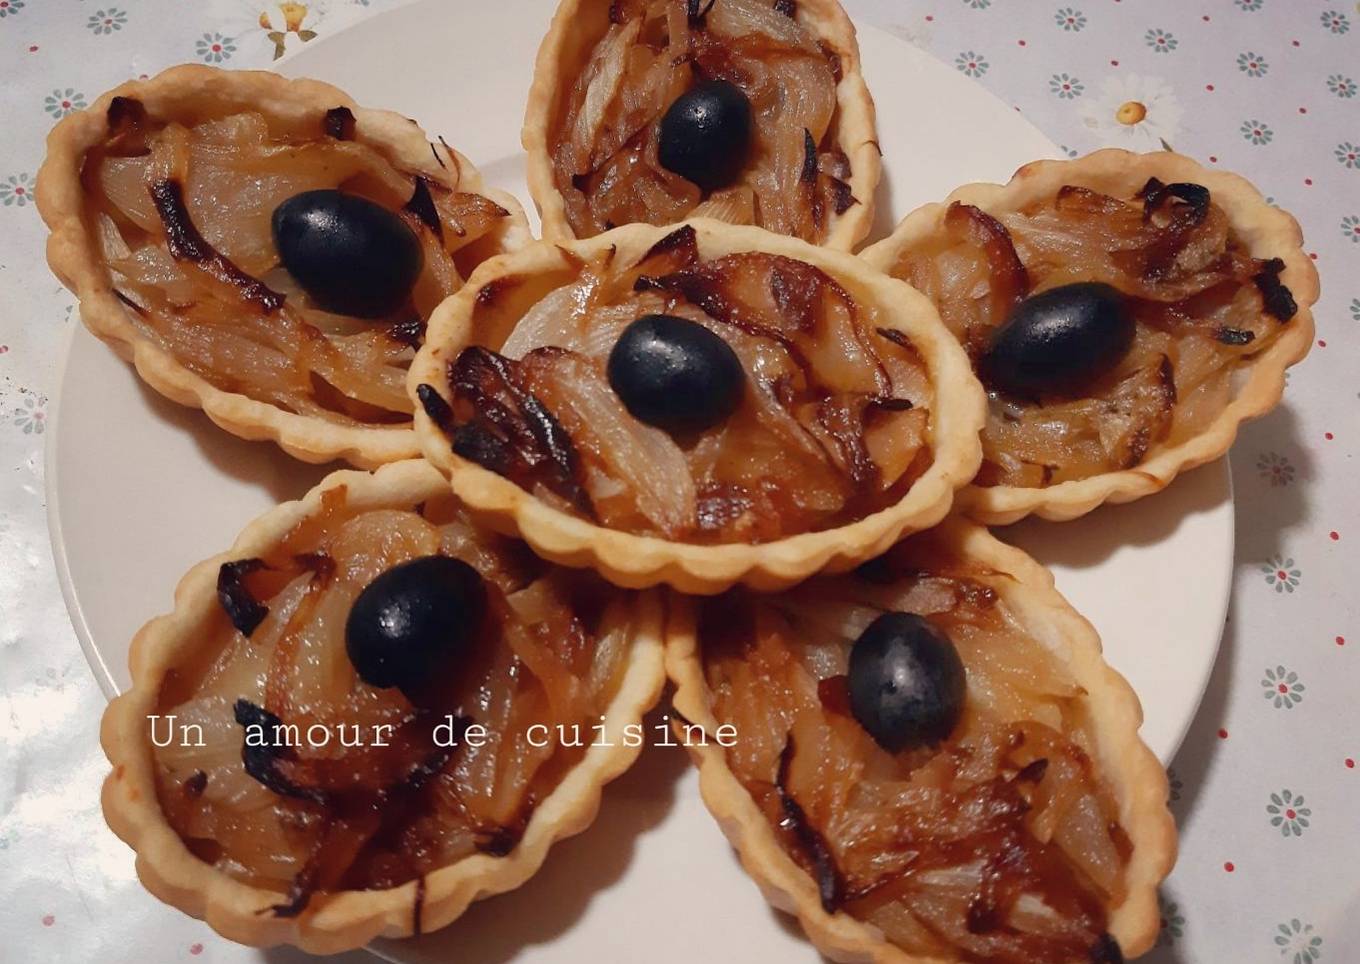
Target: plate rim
56	535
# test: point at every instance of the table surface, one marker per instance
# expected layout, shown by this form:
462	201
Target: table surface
1265	787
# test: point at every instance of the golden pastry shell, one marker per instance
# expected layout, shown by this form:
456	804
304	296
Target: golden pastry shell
1132	772
344	920
190	90
636	561
1267	231
579	25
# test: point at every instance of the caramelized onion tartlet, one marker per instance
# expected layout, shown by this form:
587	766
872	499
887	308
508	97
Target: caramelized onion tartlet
928	759
266	250
349	725
748	111
698	405
1125	312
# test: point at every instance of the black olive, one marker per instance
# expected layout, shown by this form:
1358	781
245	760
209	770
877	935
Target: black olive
675	374
1059	340
413	619
351	255
706	134
907	683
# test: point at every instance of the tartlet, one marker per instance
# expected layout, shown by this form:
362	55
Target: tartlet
698	405
744	110
305	842
171	202
1126	311
941	830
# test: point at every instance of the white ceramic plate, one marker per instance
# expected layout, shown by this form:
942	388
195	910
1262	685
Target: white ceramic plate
139	489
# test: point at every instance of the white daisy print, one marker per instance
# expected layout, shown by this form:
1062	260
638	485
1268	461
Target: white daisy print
278	26
1135	111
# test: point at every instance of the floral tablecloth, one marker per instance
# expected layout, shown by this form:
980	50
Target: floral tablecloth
1266	788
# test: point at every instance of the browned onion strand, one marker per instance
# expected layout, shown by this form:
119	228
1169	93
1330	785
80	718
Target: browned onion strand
371	816
834	423
604	151
1002	844
222	306
1203	305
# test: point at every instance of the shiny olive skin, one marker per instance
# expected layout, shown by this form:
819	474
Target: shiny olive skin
1060	340
675	374
907	684
706	134
351	255
413	619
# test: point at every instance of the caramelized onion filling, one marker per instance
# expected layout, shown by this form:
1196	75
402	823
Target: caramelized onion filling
833	423
1203	306
605	145
1000	844
348	806
181	209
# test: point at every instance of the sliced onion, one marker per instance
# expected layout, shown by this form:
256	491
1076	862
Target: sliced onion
734	20
601	91
735	205
644	458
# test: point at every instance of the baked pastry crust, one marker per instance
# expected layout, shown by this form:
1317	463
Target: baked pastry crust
1267	231
1134	774
576	28
73	252
348	919
636	561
